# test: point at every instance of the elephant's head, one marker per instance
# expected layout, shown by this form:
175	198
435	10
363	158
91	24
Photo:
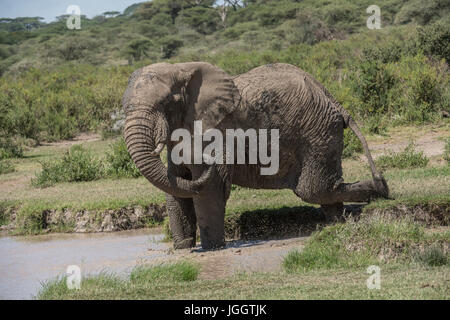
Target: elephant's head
163	97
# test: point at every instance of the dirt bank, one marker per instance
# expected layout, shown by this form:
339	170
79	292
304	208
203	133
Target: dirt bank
251	225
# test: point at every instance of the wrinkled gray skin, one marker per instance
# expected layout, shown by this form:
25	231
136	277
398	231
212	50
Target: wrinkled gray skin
163	97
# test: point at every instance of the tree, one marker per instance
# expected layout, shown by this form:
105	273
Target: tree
223	14
169	46
235	4
137	49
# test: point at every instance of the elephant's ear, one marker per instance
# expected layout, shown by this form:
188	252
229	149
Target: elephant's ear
211	93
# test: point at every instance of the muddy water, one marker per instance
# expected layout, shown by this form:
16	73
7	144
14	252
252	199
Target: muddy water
27	261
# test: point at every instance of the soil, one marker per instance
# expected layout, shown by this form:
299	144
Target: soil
237	257
431	142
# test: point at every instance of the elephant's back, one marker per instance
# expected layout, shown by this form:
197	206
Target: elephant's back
284	96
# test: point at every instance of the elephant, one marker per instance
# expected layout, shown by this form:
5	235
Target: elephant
163	97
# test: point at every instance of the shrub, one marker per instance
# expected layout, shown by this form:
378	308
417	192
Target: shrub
48	105
421	12
446	154
352	145
6	166
170	46
372	84
9	149
119	162
136	50
408	158
77	164
433	256
434	40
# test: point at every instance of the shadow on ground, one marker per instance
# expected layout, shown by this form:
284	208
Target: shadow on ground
280	223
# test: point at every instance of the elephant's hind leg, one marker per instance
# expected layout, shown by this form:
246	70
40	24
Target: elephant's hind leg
182	221
321	183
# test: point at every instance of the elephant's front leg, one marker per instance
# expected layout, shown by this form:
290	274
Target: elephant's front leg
182	222
182	219
210	211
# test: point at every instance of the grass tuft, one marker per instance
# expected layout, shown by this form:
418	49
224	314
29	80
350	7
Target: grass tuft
446	155
373	239
433	256
6	166
408	158
143	279
180	271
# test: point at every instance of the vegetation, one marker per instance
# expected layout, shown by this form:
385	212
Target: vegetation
79	164
119	162
369	240
408	158
76	165
6	166
447	151
141	277
331	266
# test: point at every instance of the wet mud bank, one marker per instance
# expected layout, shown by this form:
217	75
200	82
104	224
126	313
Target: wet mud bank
252	225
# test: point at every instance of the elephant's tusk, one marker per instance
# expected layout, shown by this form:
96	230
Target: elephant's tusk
158	150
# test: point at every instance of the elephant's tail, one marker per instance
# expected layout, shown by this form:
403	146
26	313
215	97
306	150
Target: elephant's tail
378	179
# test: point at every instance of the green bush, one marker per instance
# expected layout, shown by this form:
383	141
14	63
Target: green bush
170	46
433	256
10	149
6	166
408	158
372	84
77	164
352	145
446	154
118	161
422	12
48	105
433	40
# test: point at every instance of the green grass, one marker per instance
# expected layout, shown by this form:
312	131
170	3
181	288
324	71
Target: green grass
6	166
408	158
181	271
79	164
370	240
141	279
446	154
433	256
398	282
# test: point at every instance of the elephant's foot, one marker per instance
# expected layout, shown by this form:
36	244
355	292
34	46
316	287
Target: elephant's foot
184	243
212	239
333	212
182	222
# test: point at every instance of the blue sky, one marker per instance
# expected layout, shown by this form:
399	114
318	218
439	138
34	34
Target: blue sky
49	9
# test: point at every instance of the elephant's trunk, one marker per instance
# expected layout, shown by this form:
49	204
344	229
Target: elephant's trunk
145	133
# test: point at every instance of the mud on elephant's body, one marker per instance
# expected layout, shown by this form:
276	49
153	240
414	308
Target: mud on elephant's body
163	97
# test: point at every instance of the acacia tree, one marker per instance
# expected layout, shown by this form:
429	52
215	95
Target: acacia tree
235	4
